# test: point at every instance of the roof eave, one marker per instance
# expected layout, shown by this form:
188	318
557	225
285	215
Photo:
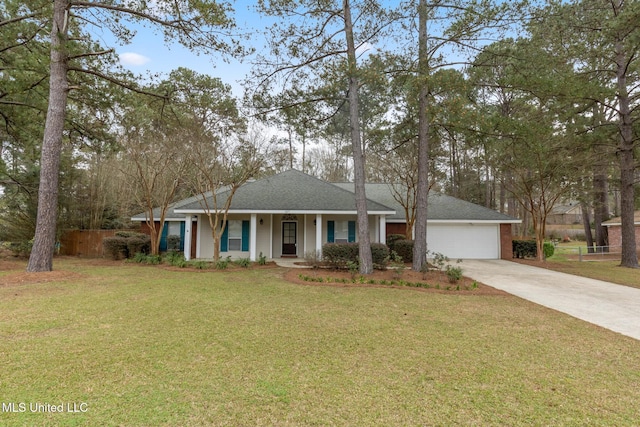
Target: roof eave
285	212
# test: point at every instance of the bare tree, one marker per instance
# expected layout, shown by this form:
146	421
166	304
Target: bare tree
220	167
193	25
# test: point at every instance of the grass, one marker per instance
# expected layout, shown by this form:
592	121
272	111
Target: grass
564	260
143	345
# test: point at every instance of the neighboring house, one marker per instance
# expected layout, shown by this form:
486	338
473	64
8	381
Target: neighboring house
291	214
565	214
614	230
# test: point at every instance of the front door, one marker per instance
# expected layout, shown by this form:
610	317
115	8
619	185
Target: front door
194	238
289	239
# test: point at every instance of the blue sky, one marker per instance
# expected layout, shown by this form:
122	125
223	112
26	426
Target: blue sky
148	52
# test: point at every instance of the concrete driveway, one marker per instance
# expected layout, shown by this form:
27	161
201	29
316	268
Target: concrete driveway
611	306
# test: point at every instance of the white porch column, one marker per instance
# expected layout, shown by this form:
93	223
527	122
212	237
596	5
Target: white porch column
271	236
319	234
187	237
383	229
253	228
304	234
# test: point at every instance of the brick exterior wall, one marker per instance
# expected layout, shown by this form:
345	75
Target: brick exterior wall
615	235
506	242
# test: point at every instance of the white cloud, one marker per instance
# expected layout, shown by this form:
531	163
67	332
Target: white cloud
365	48
133	59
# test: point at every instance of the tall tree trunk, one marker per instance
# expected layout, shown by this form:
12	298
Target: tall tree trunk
586	223
600	204
422	192
364	242
291	150
627	162
41	258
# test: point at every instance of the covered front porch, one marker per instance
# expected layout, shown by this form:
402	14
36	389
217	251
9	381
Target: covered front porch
276	235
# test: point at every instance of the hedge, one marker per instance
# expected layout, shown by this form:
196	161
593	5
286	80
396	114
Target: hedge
339	255
116	247
393	238
528	248
125	244
139	244
404	249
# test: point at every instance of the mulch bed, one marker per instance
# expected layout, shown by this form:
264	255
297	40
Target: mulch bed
433	278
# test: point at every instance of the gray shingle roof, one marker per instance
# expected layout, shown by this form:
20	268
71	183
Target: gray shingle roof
618	220
440	206
290	191
293	191
169	215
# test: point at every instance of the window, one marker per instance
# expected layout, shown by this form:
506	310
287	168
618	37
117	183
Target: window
235	235
341	232
174	228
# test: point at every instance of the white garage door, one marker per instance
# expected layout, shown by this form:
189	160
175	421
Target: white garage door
464	241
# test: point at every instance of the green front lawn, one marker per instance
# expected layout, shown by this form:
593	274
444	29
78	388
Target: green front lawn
595	266
144	345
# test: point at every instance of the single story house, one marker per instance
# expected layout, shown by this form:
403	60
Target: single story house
566	214
614	230
291	214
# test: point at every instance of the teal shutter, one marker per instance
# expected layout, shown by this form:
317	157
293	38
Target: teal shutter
245	236
224	240
331	231
182	233
163	237
352	231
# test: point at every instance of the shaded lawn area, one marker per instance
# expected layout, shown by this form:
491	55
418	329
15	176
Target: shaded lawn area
143	345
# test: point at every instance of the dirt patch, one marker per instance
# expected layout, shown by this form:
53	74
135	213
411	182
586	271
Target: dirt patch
437	280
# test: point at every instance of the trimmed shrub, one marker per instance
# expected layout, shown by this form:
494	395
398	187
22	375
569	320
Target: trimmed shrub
116	247
528	248
380	255
173	242
127	234
524	248
404	249
341	255
393	238
139	244
338	255
548	249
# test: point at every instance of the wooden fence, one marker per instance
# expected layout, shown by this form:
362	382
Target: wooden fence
84	242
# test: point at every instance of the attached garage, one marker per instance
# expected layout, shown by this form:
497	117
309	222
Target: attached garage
464	241
455	228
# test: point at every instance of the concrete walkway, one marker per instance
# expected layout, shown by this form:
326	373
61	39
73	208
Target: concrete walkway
288	262
611	306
